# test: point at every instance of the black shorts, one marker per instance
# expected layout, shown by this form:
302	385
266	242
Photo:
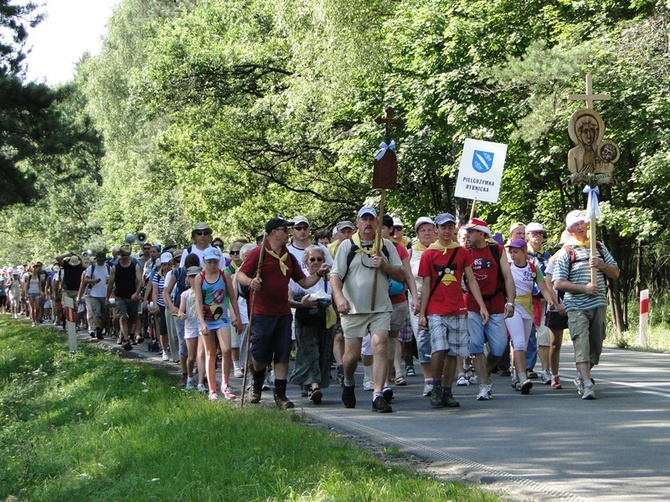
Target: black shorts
271	338
161	321
3	300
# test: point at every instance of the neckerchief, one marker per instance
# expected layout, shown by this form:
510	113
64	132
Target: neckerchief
444	249
357	242
281	259
574	241
417	246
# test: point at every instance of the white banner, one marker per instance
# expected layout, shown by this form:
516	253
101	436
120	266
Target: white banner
480	174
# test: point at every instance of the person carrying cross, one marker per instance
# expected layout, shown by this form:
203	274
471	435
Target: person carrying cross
357	261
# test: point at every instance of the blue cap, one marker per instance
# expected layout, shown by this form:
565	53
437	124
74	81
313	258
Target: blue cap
445	218
367	210
211	253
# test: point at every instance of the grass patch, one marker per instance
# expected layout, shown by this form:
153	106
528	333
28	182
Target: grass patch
94	426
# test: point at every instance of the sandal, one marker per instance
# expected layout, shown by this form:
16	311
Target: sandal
400	380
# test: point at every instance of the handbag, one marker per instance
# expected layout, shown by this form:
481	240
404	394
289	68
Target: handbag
555	320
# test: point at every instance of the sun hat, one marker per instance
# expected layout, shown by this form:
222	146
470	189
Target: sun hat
421	220
574	217
74	260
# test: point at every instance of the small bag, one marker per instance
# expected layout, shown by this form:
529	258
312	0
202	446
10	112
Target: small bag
311	317
555	320
395	287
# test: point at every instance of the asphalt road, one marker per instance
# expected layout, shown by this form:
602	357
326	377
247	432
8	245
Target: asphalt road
548	445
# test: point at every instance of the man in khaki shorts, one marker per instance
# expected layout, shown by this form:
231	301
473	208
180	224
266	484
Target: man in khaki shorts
352	278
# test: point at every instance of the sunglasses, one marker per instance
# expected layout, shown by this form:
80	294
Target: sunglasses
234	252
124	255
300	228
315	259
203	232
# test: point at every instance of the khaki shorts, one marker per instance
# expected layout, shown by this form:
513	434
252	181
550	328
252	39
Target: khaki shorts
399	315
587	331
358	325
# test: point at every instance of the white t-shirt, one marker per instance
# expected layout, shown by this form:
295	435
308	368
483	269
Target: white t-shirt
298	253
200	253
192	324
95	271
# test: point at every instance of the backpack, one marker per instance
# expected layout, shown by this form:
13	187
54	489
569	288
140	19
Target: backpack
494	249
395	287
180	285
89	286
573	256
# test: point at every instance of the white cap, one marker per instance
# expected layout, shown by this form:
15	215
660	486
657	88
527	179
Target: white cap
300	219
166	258
573	218
534	227
397	222
421	221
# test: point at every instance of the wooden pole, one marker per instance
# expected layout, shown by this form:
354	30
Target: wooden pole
594	249
261	258
472	210
378	246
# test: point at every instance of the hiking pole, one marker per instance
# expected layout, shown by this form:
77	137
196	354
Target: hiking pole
247	344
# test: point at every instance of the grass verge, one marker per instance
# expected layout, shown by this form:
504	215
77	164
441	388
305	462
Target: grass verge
94	426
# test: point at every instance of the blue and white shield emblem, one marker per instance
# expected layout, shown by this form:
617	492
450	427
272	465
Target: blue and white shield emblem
482	162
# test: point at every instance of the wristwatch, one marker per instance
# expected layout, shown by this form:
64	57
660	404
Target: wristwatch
509	304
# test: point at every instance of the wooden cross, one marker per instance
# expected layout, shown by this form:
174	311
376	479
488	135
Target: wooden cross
388	121
588	97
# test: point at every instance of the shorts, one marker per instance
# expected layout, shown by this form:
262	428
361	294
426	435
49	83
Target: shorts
422	340
366	345
127	309
161	321
492	332
398	316
96	306
358	325
180	330
587	331
3	300
34	295
449	333
543	336
519	327
271	338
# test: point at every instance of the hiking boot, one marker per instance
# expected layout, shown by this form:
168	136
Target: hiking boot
436	397
282	402
348	396
589	392
526	385
256	390
380	405
484	392
448	399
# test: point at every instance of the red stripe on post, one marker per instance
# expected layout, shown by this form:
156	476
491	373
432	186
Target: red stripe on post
69	314
644	306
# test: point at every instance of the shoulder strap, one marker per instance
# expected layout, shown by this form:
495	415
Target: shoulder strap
443	271
92	270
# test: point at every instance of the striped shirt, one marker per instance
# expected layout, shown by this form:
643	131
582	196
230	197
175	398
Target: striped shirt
580	273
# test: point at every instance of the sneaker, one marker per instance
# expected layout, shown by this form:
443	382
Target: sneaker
127	346
436	398
227	392
409	371
348	396
400	380
315	395
213	396
484	392
201	388
380	405
190	384
532	374
589	392
545	377
388	394
139	340
448	399
474	380
462	381
526	386
238	373
165	356
368	385
556	382
516	385
183	380
427	389
579	383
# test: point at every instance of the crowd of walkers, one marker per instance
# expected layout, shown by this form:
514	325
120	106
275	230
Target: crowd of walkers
458	300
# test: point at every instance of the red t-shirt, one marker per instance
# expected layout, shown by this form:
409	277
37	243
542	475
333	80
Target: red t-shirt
272	298
448	297
403	253
485	270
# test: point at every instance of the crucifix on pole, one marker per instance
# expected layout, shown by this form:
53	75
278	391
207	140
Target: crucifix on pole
385	175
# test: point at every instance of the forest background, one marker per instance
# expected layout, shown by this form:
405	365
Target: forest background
233	112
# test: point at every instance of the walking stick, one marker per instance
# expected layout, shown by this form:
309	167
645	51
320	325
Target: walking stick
261	257
378	244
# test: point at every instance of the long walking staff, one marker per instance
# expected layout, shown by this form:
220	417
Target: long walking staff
385	175
247	345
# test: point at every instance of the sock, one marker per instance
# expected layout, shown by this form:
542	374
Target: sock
367	371
375	395
280	387
428	381
349	383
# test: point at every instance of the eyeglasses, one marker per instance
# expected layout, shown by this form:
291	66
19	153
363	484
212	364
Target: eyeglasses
300	228
203	232
281	229
315	258
234	252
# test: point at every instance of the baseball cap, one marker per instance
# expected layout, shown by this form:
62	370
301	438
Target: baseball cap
443	218
300	219
211	253
345	224
517	243
397	222
516	225
367	210
166	258
190	271
421	220
276	223
534	227
477	224
100	255
574	217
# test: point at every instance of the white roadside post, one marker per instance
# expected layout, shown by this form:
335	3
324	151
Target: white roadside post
70	325
644	317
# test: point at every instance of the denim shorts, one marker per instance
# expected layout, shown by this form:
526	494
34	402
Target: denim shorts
493	332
